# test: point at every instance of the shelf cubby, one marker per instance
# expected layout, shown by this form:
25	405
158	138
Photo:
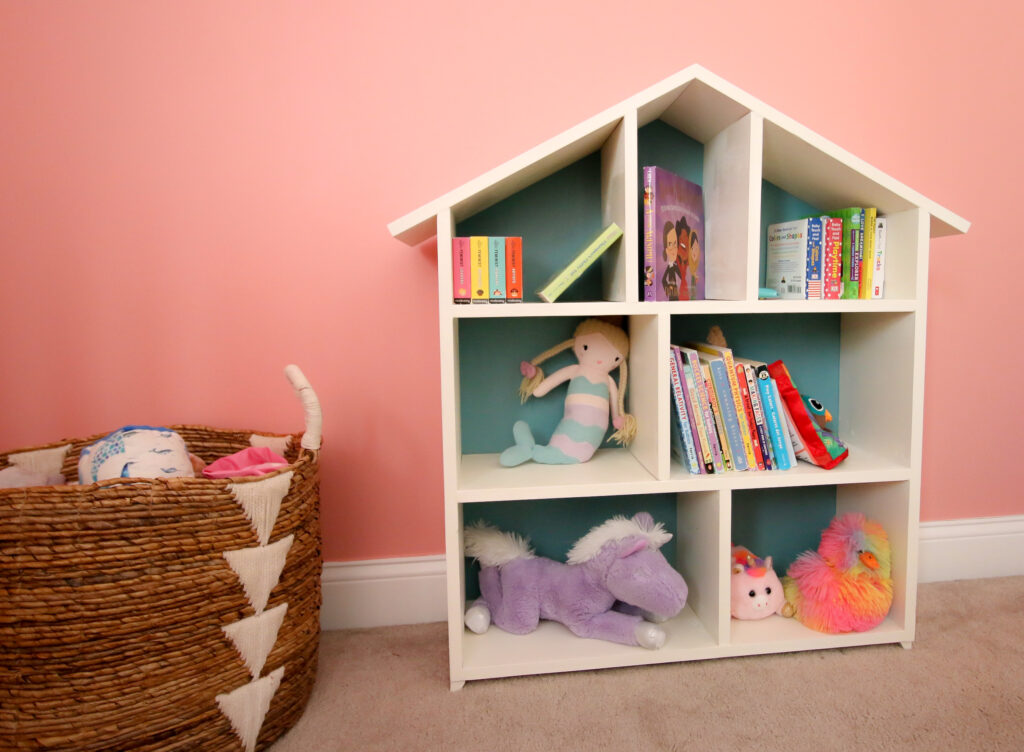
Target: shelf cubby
785	522
863	358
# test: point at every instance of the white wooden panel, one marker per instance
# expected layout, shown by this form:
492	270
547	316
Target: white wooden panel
896	508
618	195
732	208
648	390
906	248
702	540
876	383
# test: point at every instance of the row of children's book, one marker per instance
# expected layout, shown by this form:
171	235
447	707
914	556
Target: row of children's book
839	256
490	269
487	269
728	414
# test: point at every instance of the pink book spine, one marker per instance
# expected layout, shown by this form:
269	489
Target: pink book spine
833	257
460	270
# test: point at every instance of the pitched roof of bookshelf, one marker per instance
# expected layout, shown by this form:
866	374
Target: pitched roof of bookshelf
700	104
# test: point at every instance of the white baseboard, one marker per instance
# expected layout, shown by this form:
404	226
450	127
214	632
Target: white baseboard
383	592
388	592
971	549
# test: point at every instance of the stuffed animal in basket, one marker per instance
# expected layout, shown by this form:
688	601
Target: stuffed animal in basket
616	582
756	590
137	452
600	348
846	585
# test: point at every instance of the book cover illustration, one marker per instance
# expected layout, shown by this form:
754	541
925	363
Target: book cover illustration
786	260
673	237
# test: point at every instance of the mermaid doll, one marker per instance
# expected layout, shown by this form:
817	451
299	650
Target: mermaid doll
600	348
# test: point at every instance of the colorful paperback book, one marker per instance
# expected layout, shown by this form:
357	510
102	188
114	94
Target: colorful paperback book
496	269
878	274
832	252
692	368
752	371
787	431
759	421
773	421
514	270
852	250
867	264
786	258
460	270
732	395
560	282
673	237
748	408
716	411
727	409
479	265
696	414
687	451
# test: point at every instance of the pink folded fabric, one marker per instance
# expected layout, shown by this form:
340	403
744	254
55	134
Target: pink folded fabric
248	462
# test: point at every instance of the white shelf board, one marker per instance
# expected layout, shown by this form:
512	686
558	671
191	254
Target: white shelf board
553	648
481	477
777	634
859	467
715	307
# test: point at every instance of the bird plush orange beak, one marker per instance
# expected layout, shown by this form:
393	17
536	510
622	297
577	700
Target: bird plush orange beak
869	560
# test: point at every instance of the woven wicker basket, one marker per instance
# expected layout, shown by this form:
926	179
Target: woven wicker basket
167	614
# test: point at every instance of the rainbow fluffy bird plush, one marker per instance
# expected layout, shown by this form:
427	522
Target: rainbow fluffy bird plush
846	585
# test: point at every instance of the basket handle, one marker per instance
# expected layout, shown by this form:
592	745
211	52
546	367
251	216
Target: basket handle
310	405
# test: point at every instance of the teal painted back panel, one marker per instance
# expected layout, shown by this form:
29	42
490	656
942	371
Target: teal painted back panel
779	206
557	217
554	525
490	351
807	343
782	522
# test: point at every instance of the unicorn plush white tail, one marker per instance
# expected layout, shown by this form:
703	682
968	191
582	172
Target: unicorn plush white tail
492	547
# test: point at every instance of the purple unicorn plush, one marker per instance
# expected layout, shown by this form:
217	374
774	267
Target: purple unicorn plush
617	564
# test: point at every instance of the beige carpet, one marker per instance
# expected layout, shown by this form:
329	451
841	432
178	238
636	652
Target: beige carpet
961	687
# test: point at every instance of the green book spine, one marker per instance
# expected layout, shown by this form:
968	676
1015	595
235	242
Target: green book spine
851	236
561	281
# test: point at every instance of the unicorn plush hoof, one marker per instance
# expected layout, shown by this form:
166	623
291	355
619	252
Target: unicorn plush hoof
650	636
478	618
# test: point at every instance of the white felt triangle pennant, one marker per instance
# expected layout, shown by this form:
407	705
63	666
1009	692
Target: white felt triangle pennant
45	461
259	569
261	501
254	637
279	444
247	706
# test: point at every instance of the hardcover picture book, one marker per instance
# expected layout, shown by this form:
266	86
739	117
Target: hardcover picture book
673	237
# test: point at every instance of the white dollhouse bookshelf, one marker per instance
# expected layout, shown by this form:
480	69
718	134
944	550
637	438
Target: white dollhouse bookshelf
866	356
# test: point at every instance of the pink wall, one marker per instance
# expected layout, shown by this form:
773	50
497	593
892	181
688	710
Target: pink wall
194	194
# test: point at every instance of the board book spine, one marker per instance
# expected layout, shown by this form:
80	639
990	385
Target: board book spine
460	270
560	282
479	266
867	265
514	269
496	268
878	274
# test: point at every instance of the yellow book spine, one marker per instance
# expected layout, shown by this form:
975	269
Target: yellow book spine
867	266
479	264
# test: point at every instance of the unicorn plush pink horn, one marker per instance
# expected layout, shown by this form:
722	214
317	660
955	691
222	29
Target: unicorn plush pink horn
615	584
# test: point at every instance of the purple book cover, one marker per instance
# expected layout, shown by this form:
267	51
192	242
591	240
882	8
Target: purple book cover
673	237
